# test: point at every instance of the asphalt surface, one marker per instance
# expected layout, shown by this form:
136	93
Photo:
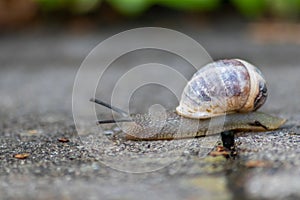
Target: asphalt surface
37	74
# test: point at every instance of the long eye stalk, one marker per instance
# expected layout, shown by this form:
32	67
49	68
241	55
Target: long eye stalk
118	110
109	121
107	105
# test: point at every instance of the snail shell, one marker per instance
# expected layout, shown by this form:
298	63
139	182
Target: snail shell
222	87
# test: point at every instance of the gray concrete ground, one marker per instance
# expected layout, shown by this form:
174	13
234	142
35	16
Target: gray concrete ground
36	79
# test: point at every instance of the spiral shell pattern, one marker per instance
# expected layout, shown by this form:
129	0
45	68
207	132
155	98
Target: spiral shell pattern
221	87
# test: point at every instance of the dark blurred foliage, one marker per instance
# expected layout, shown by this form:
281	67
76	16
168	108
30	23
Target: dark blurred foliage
248	8
18	13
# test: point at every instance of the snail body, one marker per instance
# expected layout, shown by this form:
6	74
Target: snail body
174	126
230	87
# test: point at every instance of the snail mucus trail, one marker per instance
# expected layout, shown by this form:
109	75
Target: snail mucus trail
203	100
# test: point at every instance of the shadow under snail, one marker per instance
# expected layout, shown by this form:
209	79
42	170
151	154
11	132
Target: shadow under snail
226	91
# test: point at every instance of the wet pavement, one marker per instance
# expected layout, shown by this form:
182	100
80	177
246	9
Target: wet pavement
36	81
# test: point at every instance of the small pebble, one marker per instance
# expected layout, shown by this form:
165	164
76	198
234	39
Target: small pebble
186	152
116	129
108	132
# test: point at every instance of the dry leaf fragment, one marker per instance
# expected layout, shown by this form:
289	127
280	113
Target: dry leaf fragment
32	131
63	140
219	153
257	163
22	155
220	148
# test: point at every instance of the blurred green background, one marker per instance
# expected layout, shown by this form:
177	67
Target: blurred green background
248	8
17	13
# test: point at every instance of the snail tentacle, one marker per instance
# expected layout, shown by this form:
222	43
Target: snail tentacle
107	105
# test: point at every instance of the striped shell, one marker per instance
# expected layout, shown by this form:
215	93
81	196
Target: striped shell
222	87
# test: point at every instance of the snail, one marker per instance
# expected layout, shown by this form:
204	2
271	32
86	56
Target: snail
227	91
